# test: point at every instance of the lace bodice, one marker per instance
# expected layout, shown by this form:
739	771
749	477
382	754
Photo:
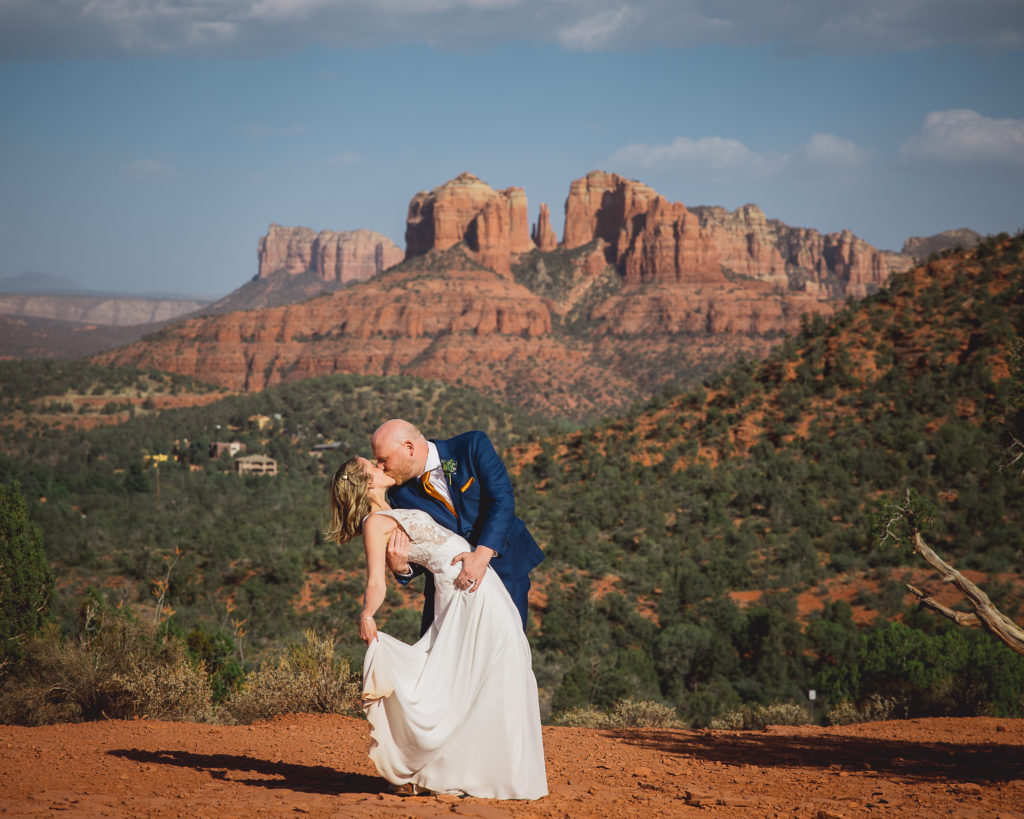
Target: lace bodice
430	544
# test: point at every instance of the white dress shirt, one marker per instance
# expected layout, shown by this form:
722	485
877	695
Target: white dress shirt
437	477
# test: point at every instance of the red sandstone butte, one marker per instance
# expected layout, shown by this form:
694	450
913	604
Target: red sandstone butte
543	236
493	224
336	256
650	239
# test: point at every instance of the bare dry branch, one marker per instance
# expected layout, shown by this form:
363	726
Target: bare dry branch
988	616
1014	455
961	618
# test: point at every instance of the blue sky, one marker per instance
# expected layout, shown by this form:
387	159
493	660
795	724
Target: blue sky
147	144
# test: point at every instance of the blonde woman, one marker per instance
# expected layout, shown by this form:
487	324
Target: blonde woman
456	712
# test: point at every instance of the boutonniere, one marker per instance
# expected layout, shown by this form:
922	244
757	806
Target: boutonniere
448	466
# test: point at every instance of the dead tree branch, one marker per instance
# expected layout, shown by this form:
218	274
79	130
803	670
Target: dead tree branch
986	615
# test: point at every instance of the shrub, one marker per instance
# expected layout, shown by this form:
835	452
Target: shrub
307	679
756	717
214	651
626	713
585	716
26	582
173	691
875	709
629	713
116	668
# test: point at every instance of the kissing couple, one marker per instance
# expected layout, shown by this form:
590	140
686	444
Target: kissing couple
456	712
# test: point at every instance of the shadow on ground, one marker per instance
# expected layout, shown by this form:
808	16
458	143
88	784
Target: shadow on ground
306	778
902	760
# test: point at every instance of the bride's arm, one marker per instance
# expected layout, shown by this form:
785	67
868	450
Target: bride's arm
376	531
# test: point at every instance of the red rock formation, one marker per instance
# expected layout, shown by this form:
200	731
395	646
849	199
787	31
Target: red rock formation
600	205
467	326
342	256
543	236
657	282
652	240
493	224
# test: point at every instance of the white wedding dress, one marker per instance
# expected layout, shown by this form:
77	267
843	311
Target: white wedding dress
457	712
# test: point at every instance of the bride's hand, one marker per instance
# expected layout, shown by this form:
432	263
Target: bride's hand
398	552
367	630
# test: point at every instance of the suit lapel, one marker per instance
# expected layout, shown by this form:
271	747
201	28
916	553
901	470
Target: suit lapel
429	489
445	453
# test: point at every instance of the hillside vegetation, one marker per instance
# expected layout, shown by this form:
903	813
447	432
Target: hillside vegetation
111	513
766	479
680	538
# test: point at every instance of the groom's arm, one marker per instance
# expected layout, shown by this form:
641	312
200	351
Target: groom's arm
496	512
497	502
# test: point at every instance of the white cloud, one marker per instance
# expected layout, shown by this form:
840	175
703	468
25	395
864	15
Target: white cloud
833	151
212	32
112	27
962	135
720	154
284	9
725	157
149	169
596	32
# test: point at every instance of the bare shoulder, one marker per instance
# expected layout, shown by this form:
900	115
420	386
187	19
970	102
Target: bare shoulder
378	525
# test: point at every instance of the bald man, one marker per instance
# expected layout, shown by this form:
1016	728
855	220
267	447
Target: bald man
463	485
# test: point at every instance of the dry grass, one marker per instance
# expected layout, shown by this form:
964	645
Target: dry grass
875	709
307	679
756	717
117	668
625	713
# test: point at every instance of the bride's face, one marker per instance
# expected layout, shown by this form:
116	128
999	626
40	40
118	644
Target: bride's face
379	479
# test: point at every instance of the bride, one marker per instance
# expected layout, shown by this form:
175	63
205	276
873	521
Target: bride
456	712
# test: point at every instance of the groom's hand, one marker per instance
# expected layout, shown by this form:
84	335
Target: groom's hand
398	552
474	566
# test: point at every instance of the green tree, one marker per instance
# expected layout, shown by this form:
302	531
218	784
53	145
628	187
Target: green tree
26	582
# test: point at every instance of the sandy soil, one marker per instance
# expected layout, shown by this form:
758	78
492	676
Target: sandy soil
317	765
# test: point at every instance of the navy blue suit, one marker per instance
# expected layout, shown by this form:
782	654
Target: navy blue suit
481	494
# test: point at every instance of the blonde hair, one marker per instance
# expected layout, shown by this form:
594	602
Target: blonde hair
349	502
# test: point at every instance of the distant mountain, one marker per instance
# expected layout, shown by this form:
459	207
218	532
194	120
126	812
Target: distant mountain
115	311
28	337
39	283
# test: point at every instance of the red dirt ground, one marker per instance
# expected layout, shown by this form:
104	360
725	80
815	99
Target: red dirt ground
317	765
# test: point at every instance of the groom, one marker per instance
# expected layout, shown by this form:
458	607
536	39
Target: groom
463	485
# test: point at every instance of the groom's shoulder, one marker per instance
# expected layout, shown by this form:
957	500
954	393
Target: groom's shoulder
468	438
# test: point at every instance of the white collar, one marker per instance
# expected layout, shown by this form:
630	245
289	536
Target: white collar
433	458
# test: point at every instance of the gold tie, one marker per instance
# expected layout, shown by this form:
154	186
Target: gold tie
427	485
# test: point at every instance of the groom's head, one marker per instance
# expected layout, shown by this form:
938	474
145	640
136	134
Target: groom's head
400	449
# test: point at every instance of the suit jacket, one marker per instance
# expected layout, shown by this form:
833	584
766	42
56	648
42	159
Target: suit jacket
484	509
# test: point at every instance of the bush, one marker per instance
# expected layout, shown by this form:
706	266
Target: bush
115	668
875	709
585	716
307	679
26	582
756	717
627	713
175	691
214	651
